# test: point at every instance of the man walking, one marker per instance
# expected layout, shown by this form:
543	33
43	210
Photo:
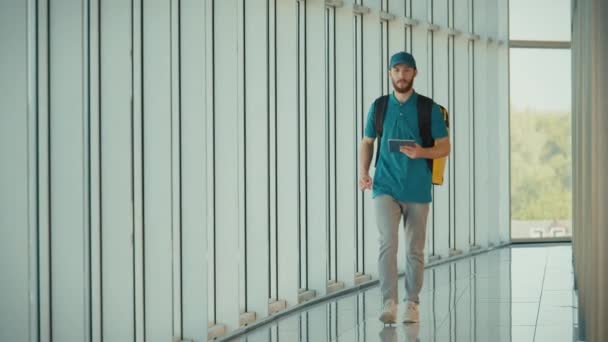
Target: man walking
402	183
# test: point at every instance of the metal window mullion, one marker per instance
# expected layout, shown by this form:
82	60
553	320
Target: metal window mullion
138	171
333	62
176	168
33	169
86	129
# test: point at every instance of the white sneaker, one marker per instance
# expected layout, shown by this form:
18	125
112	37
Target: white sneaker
412	313
389	312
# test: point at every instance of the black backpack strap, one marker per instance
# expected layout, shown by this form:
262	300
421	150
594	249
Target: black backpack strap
379	110
425	107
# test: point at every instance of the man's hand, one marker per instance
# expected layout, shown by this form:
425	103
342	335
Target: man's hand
440	150
365	182
413	152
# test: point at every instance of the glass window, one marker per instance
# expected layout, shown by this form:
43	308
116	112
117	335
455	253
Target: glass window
539	20
541	172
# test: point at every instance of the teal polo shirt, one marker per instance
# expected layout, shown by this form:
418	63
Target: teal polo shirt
397	175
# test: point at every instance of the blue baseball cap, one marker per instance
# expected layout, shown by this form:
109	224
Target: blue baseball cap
402	57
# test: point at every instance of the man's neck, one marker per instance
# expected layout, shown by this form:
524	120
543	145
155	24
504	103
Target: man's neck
402	97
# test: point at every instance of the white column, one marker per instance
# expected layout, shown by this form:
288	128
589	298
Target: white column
158	182
257	156
15	156
194	171
113	164
226	163
318	166
68	224
346	159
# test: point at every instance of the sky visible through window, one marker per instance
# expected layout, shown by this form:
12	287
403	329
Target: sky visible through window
539	20
540	78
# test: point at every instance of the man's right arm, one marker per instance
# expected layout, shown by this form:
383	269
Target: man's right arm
366	151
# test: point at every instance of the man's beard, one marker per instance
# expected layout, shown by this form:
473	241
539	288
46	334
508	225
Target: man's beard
403	89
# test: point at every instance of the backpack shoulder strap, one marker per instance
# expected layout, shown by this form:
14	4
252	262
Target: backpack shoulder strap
379	110
425	107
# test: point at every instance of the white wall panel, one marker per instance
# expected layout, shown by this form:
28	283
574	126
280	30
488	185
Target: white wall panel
15	201
209	150
331	132
462	15
493	118
346	145
138	169
441	13
452	105
176	158
494	145
287	153
460	120
318	168
302	90
504	169
43	173
67	179
372	89
421	49
115	161
441	207
396	29
374	5
257	156
227	252
272	151
157	167
361	112
482	117
35	315
194	173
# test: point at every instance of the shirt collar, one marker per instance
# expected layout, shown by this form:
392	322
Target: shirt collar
395	101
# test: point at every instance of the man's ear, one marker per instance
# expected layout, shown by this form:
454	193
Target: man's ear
415	72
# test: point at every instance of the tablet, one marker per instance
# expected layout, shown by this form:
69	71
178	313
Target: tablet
395	144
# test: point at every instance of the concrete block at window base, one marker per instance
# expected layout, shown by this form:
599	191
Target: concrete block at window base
434	258
305	295
215	331
275	306
247	318
334	286
473	248
455	252
361	278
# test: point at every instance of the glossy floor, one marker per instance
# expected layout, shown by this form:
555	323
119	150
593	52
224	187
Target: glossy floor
510	294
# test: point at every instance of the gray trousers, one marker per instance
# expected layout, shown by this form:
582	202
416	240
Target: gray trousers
389	212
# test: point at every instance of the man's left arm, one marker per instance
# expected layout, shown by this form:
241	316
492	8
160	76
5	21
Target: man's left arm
440	133
440	150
